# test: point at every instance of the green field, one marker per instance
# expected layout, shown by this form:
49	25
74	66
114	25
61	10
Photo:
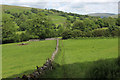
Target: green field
18	60
56	19
77	55
74	58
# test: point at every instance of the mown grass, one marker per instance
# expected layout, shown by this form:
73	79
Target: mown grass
76	56
18	60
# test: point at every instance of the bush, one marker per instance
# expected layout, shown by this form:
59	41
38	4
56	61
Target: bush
76	33
100	32
67	34
10	39
24	37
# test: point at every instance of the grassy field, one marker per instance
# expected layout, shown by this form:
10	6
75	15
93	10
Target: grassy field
16	9
56	19
74	59
77	55
18	60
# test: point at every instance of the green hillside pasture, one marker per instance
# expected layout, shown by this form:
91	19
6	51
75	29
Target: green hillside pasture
57	19
15	9
77	55
18	60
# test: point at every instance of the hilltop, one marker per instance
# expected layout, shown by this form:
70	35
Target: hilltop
102	14
57	17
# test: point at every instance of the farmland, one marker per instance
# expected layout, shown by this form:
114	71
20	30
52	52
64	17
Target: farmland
88	44
77	55
18	60
73	60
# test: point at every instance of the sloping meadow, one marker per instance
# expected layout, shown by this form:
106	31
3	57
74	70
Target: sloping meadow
22	59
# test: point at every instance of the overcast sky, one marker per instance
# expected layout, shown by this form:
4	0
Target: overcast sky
75	6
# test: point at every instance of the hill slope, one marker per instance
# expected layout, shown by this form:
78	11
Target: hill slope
24	23
50	14
101	14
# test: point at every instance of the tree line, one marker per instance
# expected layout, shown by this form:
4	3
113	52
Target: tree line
35	24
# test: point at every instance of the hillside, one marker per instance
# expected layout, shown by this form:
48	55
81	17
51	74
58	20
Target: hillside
19	9
102	14
114	16
24	23
87	46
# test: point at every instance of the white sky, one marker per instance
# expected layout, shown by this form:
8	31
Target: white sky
76	6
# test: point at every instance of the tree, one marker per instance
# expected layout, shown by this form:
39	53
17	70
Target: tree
77	33
8	30
40	26
24	37
79	24
100	22
118	21
67	24
34	10
67	34
60	30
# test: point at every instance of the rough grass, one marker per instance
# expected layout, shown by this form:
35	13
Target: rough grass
76	56
104	69
18	60
15	9
56	19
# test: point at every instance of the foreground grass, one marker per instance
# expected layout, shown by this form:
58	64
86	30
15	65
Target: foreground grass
18	60
76	56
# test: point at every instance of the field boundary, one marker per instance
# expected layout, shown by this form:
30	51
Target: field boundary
56	51
41	70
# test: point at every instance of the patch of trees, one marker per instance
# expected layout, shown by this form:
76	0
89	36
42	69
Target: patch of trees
92	27
25	25
95	33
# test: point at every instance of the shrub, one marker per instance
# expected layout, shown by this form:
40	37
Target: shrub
67	34
24	37
76	33
100	32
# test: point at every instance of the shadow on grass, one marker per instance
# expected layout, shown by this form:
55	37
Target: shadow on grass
79	70
107	68
21	74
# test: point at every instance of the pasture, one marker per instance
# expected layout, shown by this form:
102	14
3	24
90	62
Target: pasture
23	59
77	55
56	19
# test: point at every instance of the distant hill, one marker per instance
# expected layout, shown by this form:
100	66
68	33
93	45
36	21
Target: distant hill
114	16
102	14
